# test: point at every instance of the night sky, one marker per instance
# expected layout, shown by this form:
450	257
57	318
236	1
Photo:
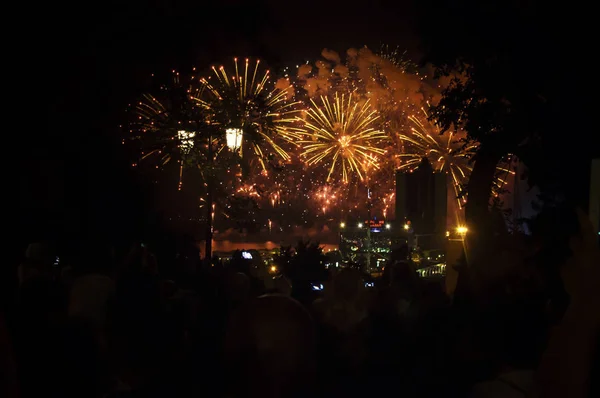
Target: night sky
82	64
76	66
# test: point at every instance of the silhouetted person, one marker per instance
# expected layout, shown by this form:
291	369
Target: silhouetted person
9	386
344	305
270	349
570	366
93	291
400	290
237	289
342	314
41	309
39	258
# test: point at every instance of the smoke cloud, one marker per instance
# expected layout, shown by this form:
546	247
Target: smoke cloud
283	84
320	83
304	70
387	85
331	55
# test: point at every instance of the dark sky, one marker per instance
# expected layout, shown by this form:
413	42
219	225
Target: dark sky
82	63
75	66
95	56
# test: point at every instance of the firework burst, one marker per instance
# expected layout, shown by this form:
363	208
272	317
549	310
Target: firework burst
396	57
168	125
248	190
326	197
342	135
244	102
447	153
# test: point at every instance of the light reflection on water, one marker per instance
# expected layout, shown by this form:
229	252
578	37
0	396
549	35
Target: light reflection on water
229	246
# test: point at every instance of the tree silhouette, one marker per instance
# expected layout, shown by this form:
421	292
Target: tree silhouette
512	85
186	122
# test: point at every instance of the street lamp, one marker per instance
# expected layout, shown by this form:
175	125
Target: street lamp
388	226
343	225
462	230
233	137
186	140
406	227
360	225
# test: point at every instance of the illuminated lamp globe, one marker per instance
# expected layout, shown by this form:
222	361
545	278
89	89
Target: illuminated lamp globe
186	140
233	137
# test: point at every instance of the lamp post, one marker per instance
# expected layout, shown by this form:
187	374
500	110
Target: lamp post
186	143
369	230
341	238
233	139
369	218
209	206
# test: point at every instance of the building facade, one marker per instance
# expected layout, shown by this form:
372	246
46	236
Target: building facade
421	204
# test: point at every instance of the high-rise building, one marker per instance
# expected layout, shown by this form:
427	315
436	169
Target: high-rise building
421	201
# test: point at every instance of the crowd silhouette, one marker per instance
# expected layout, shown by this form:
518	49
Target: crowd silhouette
100	322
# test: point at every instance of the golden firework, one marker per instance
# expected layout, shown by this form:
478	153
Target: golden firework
167	127
248	190
447	153
243	101
341	133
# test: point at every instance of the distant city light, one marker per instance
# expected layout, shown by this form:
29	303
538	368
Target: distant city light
388	226
343	225
273	268
462	230
360	225
406	227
